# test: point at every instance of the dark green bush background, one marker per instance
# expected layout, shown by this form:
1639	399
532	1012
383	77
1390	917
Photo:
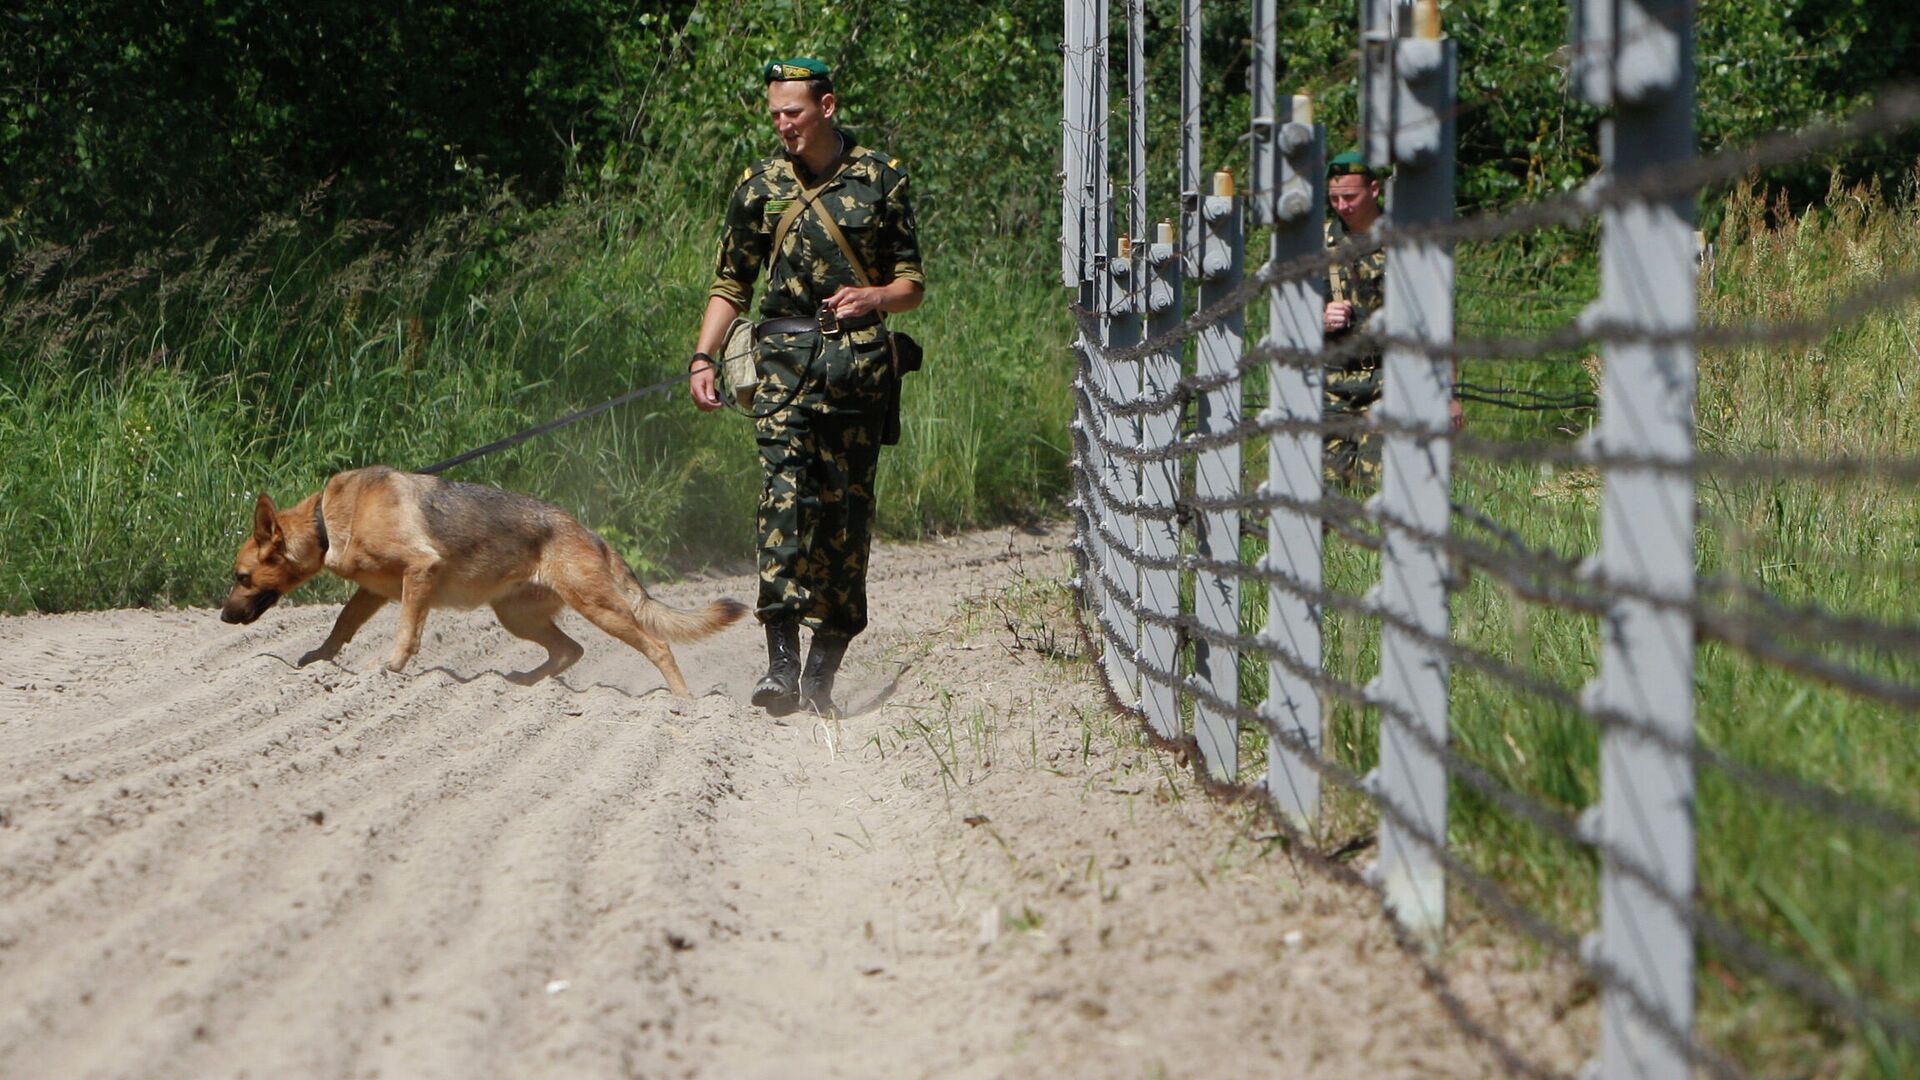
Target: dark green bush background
183	119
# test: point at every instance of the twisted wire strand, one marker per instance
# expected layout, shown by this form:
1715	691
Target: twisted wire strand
1572	593
1564	580
1525	406
1748	634
1552	346
1515	1062
1496	900
1558	397
1894	109
1801	619
1780	786
1742	948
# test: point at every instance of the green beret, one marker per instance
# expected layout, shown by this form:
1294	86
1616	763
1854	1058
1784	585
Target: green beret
1349	164
800	67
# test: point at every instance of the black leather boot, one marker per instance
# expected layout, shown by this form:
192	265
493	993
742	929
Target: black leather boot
777	690
823	663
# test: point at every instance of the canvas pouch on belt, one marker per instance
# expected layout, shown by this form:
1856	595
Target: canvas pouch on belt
739	362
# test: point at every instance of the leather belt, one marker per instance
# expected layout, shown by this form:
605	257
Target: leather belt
805	324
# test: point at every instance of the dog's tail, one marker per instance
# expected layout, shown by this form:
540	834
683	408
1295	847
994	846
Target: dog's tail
672	623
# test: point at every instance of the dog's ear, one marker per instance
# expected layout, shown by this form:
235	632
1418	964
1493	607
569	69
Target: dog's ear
266	522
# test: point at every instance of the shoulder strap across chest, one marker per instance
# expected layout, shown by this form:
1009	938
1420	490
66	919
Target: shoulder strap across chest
806	199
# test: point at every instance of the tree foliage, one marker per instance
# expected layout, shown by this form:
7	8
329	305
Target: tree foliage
1760	67
158	118
152	116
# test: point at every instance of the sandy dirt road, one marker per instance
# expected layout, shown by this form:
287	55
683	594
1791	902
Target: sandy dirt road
213	864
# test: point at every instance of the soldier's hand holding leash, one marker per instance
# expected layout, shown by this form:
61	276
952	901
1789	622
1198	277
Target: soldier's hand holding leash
703	386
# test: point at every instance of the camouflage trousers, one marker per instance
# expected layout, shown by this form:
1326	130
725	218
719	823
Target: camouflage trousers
1351	460
816	516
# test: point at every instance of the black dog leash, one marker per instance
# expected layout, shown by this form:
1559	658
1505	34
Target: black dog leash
551	425
779	326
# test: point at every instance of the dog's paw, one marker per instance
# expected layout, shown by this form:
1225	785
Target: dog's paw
523	678
315	657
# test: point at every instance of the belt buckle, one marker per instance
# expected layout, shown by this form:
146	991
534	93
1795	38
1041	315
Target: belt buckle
827	321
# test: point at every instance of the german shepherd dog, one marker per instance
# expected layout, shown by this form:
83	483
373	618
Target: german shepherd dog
430	543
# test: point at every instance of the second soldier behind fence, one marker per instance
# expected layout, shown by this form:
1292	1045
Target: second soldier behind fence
1356	289
830	223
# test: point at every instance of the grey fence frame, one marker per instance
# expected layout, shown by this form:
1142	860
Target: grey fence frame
1135	499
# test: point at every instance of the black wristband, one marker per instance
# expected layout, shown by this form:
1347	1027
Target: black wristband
698	357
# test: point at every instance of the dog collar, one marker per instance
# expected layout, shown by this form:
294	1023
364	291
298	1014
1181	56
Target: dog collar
320	520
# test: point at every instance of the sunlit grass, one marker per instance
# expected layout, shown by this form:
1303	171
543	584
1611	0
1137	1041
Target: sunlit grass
142	408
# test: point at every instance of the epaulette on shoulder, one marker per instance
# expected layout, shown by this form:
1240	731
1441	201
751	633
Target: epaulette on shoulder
885	163
757	168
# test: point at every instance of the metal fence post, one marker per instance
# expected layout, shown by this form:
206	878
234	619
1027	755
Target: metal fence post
1414	500
1210	234
1216	597
1120	326
1264	124
1192	231
1295	544
1637	57
1128	329
1099	182
1122	477
1073	155
1088	107
1137	216
1159	486
1075	143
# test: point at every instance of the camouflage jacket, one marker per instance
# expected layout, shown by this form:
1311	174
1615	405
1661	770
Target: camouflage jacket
1364	283
869	201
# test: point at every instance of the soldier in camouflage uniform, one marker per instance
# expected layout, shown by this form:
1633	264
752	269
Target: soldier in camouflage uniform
822	400
1355	291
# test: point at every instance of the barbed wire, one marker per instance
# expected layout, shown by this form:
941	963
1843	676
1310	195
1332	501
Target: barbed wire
1746	951
1811	619
1300	843
1749	635
1585	453
1574	590
1801	619
1565	339
1893	109
1553	346
1716	607
1516	914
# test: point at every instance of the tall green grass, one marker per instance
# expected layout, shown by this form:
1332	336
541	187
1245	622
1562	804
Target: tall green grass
141	408
1839	899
